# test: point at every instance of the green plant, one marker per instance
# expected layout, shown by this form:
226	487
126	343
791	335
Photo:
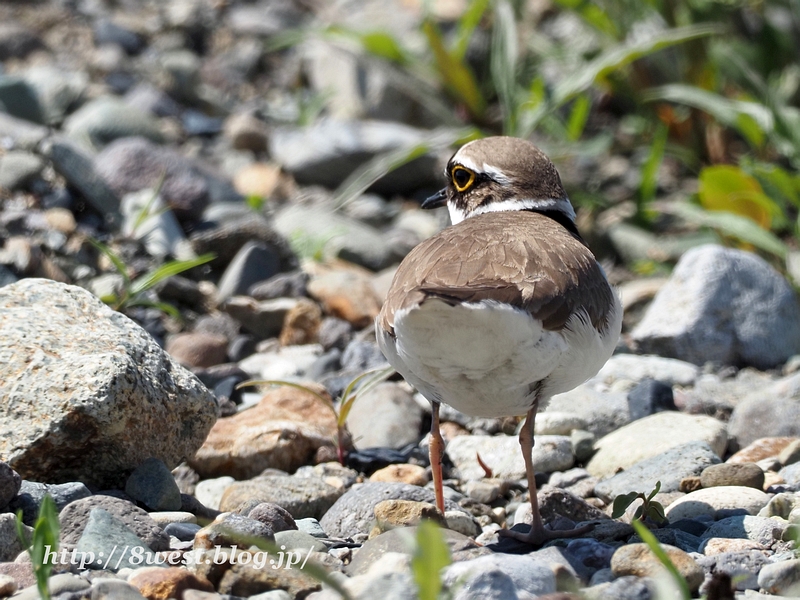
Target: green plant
429	557
341	409
43	544
134	290
648	509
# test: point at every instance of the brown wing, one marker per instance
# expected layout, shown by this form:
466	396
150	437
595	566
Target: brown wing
521	258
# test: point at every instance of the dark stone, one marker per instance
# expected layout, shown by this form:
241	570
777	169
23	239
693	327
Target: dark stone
369	460
19	99
275	517
329	362
185	532
31	494
251	264
194	506
10	481
692	526
226	390
282	285
649	397
335	333
152	484
107	32
242	346
196	123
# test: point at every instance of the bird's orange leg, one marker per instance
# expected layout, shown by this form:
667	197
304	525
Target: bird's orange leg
538	535
436	453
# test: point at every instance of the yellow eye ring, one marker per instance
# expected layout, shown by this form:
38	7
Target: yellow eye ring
462	178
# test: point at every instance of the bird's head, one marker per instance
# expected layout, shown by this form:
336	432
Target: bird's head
501	174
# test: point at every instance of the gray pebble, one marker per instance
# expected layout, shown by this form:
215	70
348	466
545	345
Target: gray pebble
112	543
152	484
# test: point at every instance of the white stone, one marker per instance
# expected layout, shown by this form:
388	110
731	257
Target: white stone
712	500
633	368
209	491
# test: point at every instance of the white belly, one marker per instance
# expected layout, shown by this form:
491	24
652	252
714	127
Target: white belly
487	359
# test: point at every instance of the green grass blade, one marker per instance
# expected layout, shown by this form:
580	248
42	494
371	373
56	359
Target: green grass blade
648	538
384	45
373	378
466	26
167	270
729	224
649	183
622	55
503	63
578	117
45	537
431	555
112	256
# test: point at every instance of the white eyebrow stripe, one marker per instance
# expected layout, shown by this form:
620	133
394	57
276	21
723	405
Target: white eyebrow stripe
560	204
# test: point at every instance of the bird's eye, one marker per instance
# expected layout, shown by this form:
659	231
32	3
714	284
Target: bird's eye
462	178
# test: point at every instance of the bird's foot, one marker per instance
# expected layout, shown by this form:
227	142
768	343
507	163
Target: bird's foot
538	536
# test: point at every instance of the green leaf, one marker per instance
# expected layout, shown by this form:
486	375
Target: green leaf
621	504
648	538
112	256
729	224
578	117
45	539
454	72
726	111
503	63
383	45
255	202
656	512
469	20
431	555
649	183
655	491
167	270
624	54
729	188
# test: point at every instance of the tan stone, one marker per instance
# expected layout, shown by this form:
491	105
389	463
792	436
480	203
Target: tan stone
157	583
413	474
198	349
346	294
258	179
450	430
714	546
246	132
60	219
283	431
301	323
390	514
639	560
760	449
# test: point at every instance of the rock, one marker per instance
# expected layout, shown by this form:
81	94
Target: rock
75	515
292	363
246	132
410	474
185	532
757	529
354	512
17	41
273	516
745	474
114	589
209	491
397	540
790	454
336	236
10	483
17	169
282	285
724	305
246	579
781	578
301	496
760	449
7	586
301	323
499	576
650	437
582	444
327	152
193	349
714	545
503	455
264	18
602	411
106	543
283	431
742	567
21	134
770	412
156	583
148	219
110	372
649	397
554	503
10	544
299	540
716	501
31	494
152	484
669	468
385	416
132	164
257	179
558	423
22	573
632	368
231	529
18	99
63	583
347	295
263	319
311	527
791	474
76	166
390	514
639	560
103	120
253	263
781	505
58	90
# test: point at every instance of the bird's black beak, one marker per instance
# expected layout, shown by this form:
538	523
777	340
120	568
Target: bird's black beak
437	200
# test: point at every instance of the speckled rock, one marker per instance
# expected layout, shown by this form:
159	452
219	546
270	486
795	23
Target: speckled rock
404	513
10	544
500	576
103	397
401	473
772	410
503	455
638	559
650	437
717	500
230	529
760	449
273	516
283	431
301	496
725	305
745	474
762	530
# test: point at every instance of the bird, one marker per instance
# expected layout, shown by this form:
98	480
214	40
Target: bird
504	308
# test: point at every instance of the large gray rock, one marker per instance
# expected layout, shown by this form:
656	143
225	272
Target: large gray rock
668	467
101	121
770	412
327	152
86	393
386	415
723	305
